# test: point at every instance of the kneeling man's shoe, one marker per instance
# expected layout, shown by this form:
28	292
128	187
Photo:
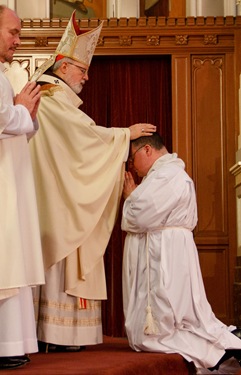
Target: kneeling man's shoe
228	354
9	363
50	348
22	358
237	332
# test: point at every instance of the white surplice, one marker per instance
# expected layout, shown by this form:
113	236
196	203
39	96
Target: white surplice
161	265
21	263
18	328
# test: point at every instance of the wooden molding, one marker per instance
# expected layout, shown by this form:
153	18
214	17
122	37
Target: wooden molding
145	35
236	171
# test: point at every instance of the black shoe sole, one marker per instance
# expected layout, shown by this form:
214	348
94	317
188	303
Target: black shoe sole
53	348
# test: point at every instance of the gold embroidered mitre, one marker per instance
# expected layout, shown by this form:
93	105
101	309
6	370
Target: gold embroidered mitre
75	43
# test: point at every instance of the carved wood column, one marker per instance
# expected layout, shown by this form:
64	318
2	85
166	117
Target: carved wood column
236	171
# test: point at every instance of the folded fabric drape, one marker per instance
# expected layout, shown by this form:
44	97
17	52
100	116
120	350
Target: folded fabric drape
150	3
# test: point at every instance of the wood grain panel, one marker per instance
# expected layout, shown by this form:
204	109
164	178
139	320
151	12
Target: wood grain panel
213	261
209	146
181	124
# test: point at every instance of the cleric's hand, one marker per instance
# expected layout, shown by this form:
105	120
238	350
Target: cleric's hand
141	130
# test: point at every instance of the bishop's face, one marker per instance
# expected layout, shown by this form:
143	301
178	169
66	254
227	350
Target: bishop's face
76	76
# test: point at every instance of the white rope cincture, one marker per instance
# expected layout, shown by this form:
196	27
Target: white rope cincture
150	324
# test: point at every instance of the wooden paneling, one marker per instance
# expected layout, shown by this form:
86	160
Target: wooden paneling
177	8
209	138
213	261
213	155
181	109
